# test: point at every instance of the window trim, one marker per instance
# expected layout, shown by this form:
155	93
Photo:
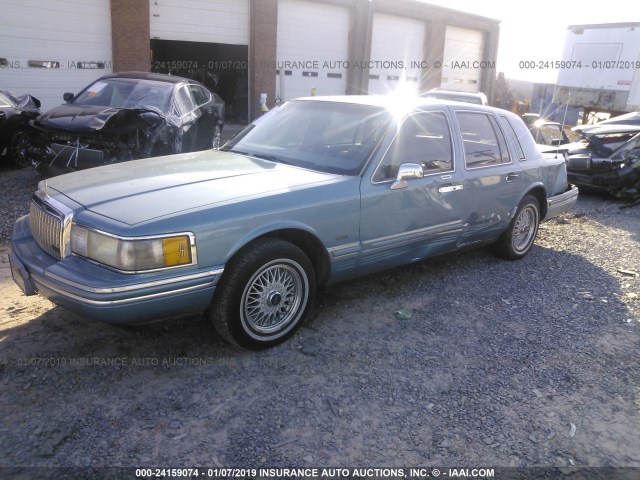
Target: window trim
487	114
190	112
205	91
515	140
395	135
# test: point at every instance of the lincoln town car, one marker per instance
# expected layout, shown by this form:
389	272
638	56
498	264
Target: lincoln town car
317	191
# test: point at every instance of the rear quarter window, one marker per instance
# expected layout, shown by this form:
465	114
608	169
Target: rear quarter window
524	138
512	136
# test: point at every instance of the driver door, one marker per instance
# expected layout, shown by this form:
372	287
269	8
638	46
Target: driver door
422	217
206	123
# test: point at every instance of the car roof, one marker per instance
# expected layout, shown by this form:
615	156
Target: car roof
157	77
391	102
405	105
453	92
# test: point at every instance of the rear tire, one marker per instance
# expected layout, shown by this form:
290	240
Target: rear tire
264	295
516	242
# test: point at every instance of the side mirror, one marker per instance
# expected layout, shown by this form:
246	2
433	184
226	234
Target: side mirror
556	142
407	171
67	97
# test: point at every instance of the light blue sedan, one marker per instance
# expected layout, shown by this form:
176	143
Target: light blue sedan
317	191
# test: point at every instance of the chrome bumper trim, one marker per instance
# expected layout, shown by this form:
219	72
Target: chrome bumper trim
102	303
139	286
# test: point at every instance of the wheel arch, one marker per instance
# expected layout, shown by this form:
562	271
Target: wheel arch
540	194
299	236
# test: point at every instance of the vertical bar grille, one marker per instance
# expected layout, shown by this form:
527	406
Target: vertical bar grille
47	230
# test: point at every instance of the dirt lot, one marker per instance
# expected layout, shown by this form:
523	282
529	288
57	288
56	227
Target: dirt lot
488	363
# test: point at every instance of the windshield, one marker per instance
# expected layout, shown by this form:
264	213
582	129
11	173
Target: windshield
121	93
327	136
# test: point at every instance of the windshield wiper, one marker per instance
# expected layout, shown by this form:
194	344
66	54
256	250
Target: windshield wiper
263	156
231	150
271	158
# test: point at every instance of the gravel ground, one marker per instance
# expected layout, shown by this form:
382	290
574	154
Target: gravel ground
463	360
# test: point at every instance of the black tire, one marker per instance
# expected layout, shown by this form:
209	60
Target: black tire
18	148
264	295
518	239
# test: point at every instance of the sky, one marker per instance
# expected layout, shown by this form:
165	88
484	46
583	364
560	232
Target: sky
536	30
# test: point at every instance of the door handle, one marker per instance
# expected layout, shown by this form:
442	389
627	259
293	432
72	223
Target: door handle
450	188
512	176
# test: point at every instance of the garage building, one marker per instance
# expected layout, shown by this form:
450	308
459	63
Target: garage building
244	48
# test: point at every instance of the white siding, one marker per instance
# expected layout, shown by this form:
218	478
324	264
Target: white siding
465	47
67	32
312	32
210	21
396	43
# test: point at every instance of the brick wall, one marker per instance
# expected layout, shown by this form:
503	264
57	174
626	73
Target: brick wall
263	36
130	35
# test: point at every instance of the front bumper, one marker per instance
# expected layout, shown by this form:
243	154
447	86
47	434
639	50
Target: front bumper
561	203
102	294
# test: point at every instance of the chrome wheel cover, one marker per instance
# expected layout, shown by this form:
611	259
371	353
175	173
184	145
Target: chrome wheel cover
274	299
524	229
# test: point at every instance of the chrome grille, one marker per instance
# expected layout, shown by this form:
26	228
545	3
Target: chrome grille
50	223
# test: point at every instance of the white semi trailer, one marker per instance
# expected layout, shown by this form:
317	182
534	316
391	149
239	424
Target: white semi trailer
600	71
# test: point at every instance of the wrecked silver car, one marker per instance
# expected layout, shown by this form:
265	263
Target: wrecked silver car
124	116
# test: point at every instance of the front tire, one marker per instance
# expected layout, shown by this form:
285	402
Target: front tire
516	242
264	295
18	148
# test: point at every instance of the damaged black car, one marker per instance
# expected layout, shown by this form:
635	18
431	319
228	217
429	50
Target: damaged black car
121	117
607	159
16	111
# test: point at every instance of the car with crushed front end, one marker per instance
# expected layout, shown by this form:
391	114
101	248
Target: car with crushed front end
606	159
317	191
124	116
16	111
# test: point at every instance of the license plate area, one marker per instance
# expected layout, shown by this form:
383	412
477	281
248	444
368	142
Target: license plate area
72	155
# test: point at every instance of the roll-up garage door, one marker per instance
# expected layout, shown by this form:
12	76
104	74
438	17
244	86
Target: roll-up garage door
462	65
312	49
49	48
397	49
207	41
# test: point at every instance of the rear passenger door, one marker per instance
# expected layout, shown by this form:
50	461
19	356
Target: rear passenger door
493	182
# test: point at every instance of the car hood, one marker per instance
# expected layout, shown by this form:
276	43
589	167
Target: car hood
85	118
143	190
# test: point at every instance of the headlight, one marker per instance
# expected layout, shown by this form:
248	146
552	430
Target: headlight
133	254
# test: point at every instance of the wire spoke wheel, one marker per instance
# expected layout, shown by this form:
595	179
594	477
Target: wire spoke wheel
524	228
264	295
518	239
273	297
